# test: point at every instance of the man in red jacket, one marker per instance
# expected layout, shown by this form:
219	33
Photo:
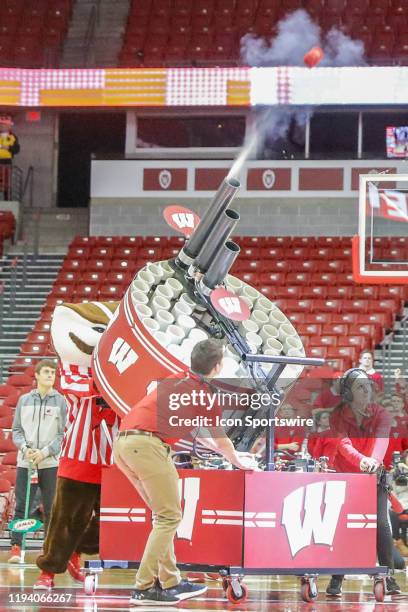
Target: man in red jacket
363	429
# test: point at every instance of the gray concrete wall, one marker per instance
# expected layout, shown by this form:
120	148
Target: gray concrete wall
37	150
274	217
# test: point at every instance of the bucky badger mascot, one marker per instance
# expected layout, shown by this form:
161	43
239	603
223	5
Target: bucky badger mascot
87	446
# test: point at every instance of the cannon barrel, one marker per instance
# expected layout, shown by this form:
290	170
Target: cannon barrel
202	234
223	228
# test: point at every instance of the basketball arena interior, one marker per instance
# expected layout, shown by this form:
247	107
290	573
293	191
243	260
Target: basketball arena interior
183	176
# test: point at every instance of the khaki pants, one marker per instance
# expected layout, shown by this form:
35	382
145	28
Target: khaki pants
146	462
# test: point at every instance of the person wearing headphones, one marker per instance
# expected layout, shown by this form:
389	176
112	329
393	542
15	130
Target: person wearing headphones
142	453
363	429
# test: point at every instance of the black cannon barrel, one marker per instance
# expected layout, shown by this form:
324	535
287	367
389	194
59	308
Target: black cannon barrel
220	202
221	264
222	230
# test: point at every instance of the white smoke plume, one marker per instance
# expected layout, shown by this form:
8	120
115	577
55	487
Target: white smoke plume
296	35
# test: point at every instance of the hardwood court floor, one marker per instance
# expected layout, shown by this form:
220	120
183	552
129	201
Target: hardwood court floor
277	594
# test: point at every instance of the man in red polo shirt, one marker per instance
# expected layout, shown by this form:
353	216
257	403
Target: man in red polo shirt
142	453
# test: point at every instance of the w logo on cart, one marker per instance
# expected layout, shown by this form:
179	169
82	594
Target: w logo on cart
189	489
183	220
230	305
302	515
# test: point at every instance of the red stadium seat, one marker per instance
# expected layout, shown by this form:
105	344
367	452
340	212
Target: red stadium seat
93	278
361	342
19	380
161	8
400	52
224	6
341	364
335	328
319	291
288	6
335	7
375	332
310	329
379	7
111	292
359	306
385	319
357	7
269	278
6	443
319	317
72	265
398	7
340	292
203	7
365	292
313	7
63	291
327	306
320	278
182	7
39	349
101	252
35	337
9	475
119	278
348	352
320	352
86	292
250	277
323	340
297	318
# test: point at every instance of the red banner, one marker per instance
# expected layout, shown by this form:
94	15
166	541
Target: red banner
165	179
273	179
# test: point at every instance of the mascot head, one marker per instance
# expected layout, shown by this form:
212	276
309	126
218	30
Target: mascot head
77	328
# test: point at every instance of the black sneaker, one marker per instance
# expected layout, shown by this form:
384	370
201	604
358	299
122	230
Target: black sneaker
185	590
154	596
392	587
334	586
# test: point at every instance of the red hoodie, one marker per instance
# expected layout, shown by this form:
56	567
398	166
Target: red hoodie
370	439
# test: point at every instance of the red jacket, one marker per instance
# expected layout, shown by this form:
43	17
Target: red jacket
397	442
155	413
370	439
320	444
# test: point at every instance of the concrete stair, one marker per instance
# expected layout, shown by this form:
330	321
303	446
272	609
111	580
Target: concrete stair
50	230
33	277
394	352
98	46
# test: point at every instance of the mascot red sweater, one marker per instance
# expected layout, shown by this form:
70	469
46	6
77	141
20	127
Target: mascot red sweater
87	446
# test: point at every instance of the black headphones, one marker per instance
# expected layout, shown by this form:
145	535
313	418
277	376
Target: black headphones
346	382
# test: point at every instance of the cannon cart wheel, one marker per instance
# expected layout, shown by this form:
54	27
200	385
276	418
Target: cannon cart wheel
379	589
233	596
308	589
90	584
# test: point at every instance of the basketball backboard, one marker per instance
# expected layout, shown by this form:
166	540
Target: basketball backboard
380	251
